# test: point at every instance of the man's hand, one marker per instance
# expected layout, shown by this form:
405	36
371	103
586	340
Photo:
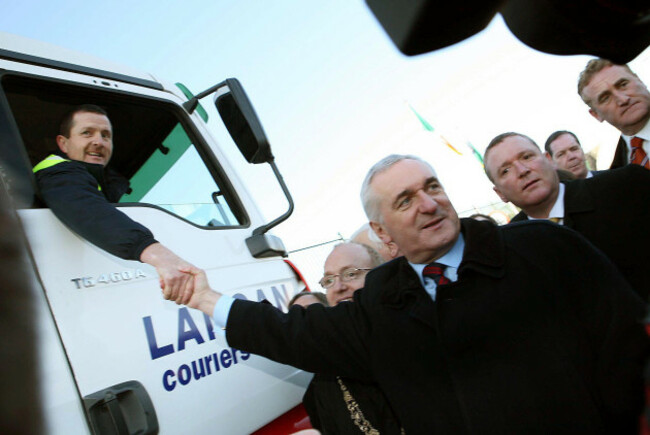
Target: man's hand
176	275
203	298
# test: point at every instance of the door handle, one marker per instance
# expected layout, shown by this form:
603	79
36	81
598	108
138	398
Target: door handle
122	409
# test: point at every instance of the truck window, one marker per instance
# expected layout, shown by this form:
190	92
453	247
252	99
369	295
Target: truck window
155	147
176	179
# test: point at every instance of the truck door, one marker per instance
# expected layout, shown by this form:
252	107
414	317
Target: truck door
141	363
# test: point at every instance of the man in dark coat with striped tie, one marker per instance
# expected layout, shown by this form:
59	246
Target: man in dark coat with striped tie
478	329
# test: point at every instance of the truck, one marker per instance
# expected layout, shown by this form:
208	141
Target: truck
113	356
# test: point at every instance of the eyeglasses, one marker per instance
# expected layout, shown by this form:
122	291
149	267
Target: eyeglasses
346	275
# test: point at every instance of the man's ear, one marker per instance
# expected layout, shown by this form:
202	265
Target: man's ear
501	195
550	159
381	232
62	142
595	114
393	249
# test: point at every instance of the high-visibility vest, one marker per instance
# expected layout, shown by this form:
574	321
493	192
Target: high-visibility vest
48	162
52	160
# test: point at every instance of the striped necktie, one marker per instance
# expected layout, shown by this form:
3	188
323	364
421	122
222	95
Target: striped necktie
435	271
638	156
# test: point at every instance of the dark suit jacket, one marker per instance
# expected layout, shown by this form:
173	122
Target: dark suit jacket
524	342
612	211
330	412
621	155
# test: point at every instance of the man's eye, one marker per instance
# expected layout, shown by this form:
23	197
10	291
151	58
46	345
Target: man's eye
603	99
433	187
349	275
504	171
404	202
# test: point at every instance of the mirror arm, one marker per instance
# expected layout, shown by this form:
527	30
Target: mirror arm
264	228
191	104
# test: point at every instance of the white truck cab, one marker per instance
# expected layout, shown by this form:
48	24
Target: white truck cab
114	356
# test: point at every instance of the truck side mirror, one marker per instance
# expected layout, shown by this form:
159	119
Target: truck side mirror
242	122
244	127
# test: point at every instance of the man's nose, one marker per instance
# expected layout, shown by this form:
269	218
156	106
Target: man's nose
99	139
620	97
426	202
339	285
521	168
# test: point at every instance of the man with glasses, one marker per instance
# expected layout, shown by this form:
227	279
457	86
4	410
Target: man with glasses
329	399
345	270
476	329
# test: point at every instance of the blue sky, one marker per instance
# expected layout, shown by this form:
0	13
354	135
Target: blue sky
332	91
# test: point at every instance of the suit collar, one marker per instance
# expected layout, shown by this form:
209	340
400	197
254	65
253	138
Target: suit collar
484	253
577	199
484	249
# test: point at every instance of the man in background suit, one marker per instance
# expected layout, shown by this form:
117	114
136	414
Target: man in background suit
564	149
616	95
476	329
611	210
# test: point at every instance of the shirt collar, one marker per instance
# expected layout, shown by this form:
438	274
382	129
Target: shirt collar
451	259
557	211
644	134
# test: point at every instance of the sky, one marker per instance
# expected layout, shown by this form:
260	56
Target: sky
332	91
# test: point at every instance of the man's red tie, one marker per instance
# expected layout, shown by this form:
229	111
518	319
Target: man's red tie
435	272
638	155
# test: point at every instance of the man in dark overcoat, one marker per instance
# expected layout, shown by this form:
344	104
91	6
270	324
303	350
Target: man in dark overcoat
476	329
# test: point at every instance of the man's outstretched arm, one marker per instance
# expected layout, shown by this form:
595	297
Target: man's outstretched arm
72	194
317	339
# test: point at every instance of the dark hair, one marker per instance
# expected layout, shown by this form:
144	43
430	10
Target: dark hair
554	136
67	120
318	295
496	141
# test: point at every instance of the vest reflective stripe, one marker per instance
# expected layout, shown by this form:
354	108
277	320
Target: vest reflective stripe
48	162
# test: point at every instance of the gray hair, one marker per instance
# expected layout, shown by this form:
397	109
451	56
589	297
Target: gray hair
368	199
372	236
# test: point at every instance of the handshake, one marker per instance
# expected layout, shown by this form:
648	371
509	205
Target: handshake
195	291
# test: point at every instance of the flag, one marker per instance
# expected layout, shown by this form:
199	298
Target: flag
478	155
424	122
450	146
429	127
